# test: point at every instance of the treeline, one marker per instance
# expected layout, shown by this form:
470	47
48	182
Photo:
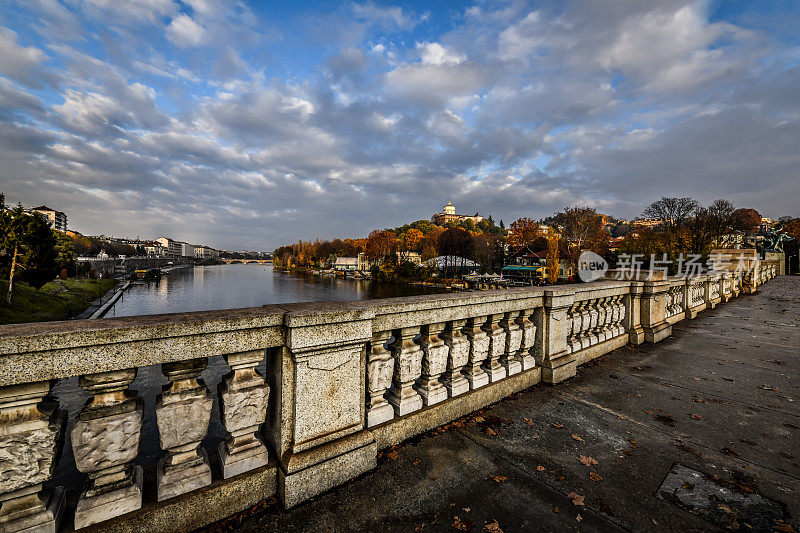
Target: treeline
688	227
390	249
92	246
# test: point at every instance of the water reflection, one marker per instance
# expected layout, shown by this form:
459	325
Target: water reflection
205	288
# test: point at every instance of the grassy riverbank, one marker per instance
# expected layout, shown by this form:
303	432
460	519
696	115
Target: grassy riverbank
57	300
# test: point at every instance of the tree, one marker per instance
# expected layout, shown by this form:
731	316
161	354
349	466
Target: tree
456	245
583	229
523	232
65	253
701	229
380	244
552	255
746	220
30	242
674	212
720	221
792	228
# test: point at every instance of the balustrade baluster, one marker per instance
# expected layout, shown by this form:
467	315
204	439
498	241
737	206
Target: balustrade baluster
105	440
497	346
586	323
434	364
525	321
458	356
603	318
478	352
30	435
573	328
379	379
183	412
510	359
243	396
622	315
407	369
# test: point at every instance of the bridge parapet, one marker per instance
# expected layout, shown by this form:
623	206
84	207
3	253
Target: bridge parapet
341	380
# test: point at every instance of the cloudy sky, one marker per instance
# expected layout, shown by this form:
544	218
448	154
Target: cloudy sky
249	125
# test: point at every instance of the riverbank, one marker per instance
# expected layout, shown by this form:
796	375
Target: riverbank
56	300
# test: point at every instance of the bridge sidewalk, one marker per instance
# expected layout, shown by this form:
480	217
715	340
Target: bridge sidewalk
719	397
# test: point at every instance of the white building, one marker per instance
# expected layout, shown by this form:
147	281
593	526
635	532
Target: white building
204	252
58	220
172	248
187	250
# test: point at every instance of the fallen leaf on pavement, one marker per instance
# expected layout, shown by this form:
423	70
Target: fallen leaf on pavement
490	432
578	518
587	461
540	468
594	476
493	527
577	499
529	421
461	526
498	479
557	425
576	437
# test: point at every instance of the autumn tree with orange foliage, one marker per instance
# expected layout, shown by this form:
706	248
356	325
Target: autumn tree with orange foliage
381	244
523	232
552	255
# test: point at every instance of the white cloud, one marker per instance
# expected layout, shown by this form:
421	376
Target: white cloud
436	54
22	63
185	32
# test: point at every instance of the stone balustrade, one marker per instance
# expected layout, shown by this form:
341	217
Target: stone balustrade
341	381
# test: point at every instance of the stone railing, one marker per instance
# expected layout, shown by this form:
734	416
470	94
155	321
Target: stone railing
285	401
676	298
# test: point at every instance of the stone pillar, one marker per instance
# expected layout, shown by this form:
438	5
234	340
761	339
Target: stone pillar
573	327
478	352
525	354
725	290
380	367
595	320
30	437
557	363
407	370
708	298
105	440
497	346
511	359
434	364
736	284
621	315
458	356
243	398
183	412
317	423
633	315
654	311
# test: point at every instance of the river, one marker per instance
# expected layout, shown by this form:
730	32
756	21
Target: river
203	288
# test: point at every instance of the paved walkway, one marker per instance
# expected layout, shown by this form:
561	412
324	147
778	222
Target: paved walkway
699	432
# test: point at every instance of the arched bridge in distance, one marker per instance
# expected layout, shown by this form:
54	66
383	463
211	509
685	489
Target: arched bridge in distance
246	261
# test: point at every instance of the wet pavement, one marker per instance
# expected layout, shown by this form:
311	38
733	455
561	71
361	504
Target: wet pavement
699	432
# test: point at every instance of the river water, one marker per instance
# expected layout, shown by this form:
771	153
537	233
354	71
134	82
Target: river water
204	288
